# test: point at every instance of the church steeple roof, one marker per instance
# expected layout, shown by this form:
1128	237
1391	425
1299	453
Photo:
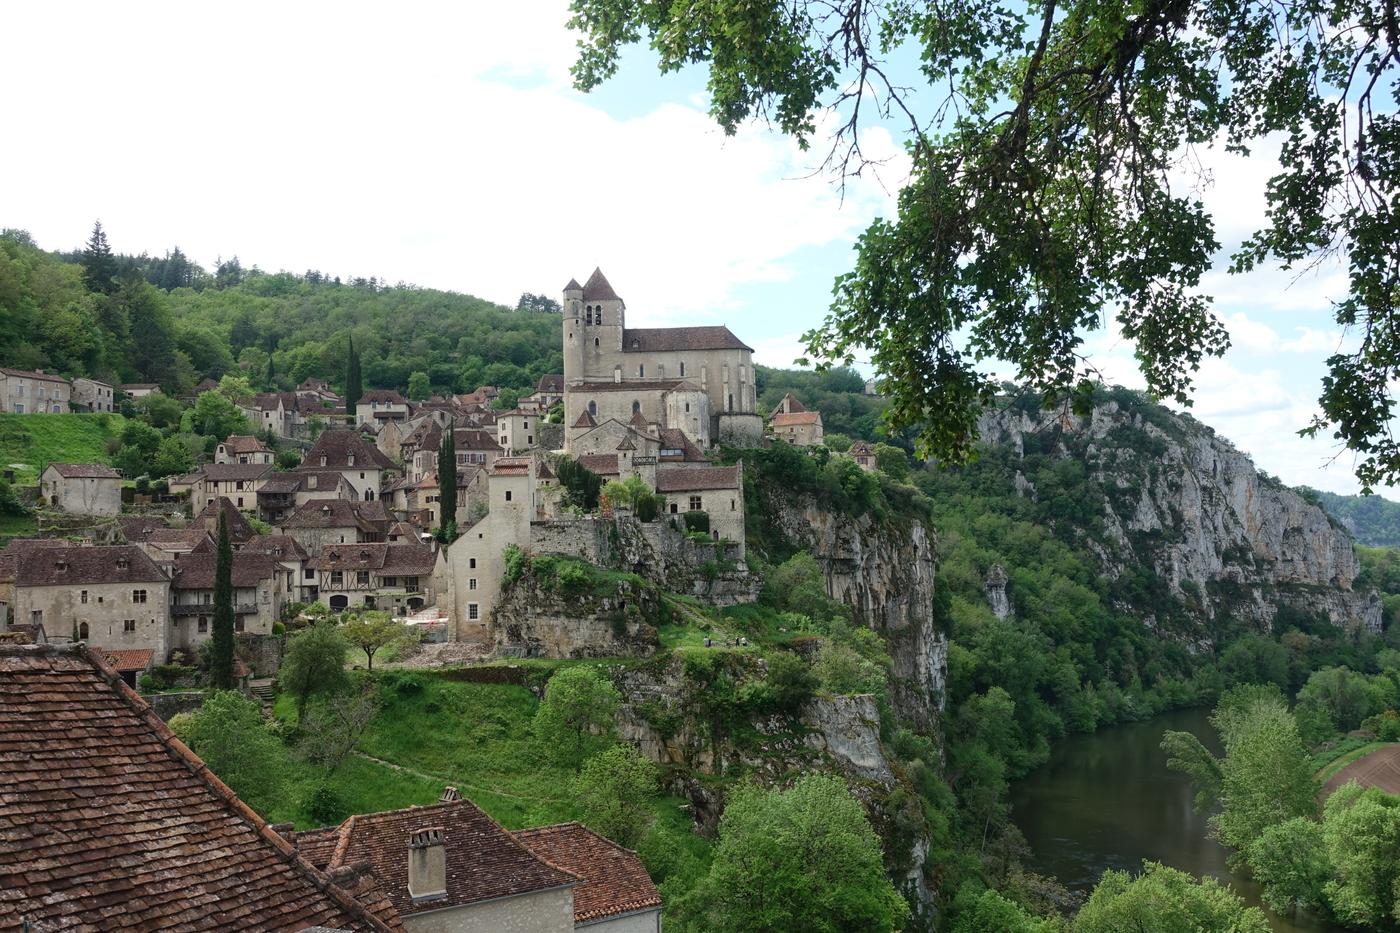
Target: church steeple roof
573	286
597	288
585	420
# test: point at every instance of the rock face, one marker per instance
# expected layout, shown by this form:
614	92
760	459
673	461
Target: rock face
535	620
885	574
1181	500
995	586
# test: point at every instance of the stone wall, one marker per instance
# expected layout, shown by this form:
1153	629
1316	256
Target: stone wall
171	704
534	619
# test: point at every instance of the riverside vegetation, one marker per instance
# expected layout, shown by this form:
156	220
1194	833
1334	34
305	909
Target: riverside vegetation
1077	643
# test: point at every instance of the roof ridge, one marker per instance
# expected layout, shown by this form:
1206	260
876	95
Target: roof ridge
186	756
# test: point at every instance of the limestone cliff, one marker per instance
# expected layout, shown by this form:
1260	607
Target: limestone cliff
885	573
536	618
1176	499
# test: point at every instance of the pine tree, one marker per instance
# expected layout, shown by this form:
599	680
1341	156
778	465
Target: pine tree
447	486
353	388
221	657
99	266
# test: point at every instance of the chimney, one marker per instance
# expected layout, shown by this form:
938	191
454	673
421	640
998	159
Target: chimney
427	865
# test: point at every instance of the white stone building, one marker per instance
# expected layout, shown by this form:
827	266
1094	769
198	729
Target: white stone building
28	392
81	488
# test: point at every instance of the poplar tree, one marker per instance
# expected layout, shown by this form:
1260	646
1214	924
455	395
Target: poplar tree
221	657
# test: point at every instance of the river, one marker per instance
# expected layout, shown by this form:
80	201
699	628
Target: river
1108	800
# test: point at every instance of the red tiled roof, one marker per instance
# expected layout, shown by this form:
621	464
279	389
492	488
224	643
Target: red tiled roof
109	822
84	471
125	659
484	861
663	339
791	402
35	374
245	444
614	881
511	465
387	559
688	479
550	384
224	472
391	396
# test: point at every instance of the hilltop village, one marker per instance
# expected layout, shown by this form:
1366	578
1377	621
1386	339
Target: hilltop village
118	593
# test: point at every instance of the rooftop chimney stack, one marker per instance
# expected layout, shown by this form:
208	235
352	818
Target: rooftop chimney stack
427	865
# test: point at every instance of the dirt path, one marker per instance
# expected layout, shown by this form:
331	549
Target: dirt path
453	782
1380	768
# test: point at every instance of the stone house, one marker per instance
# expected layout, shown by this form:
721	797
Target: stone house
92	395
717	491
379	405
449	867
28	392
321	523
237	482
113	595
514	433
790	421
549	391
160	541
347	453
613	371
143	836
134	390
240	531
474	447
283	493
394	577
242	448
482	396
299	580
863	454
81	488
259	593
129	663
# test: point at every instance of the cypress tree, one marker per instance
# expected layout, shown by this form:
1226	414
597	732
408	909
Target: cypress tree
271	373
99	265
353	388
221	657
447	485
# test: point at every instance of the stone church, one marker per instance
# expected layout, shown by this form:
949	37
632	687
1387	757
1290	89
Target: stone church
698	380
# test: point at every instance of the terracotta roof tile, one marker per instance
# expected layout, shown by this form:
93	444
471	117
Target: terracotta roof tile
795	418
245	444
337	447
137	834
602	464
484	861
35	374
125	659
196	571
71	566
239	528
614	881
597	288
339	513
664	339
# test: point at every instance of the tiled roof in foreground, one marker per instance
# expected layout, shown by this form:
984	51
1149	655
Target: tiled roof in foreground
108	822
614	881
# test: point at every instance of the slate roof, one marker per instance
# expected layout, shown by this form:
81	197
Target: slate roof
550	384
638	385
84	471
472	439
109	822
614	881
338	513
663	339
693	479
337	446
16	548
484	861
391	396
278	547
153	386
573	286
597	288
676	439
387	559
585	420
72	566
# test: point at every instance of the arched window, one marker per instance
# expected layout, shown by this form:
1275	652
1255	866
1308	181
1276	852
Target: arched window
595	342
82	631
641	370
588	319
682	369
593	409
636	406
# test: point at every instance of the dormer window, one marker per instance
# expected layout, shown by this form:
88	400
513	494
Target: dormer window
323	459
351	460
636	344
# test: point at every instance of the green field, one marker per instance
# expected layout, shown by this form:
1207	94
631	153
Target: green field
28	443
1353	749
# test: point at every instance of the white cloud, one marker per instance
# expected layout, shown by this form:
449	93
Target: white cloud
362	140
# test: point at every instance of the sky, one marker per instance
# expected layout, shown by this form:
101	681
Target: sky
443	145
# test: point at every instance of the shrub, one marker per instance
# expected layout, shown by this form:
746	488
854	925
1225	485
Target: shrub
697	521
516	561
323	806
573	578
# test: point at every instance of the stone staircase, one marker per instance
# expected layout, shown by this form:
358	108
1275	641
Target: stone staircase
262	688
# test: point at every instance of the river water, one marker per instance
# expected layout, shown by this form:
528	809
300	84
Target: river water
1108	800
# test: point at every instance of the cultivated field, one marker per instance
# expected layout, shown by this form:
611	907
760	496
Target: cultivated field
1381	768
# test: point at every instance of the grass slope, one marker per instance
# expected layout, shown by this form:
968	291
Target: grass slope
28	443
